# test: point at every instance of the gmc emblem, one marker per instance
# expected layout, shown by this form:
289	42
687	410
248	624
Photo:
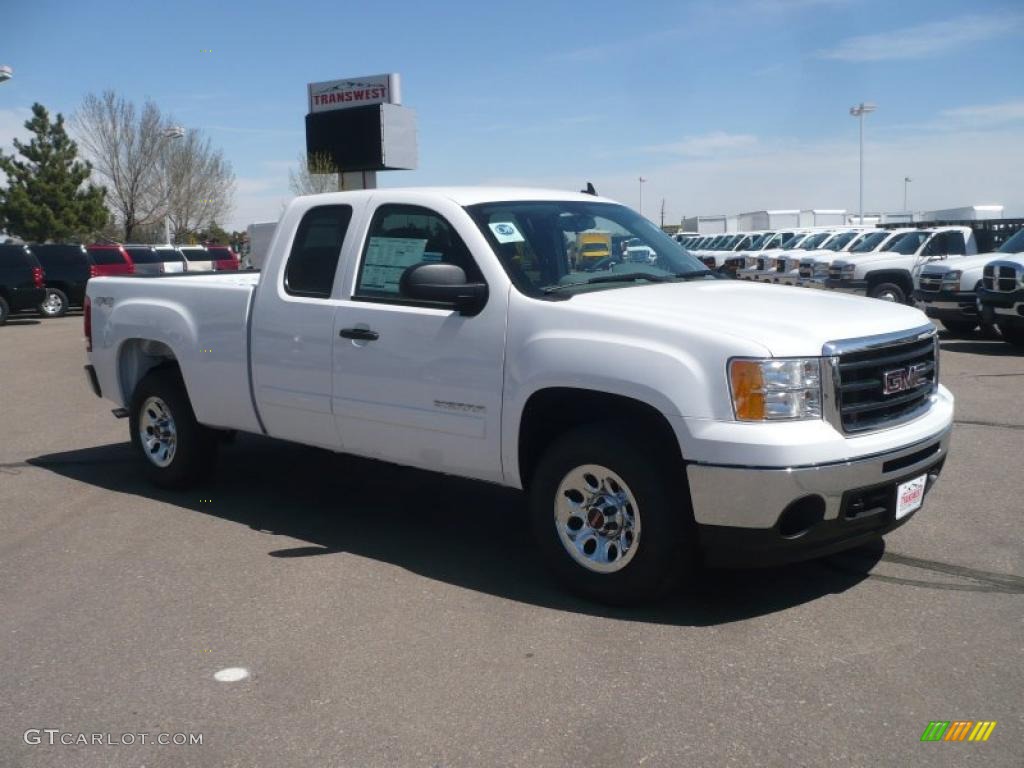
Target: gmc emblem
904	379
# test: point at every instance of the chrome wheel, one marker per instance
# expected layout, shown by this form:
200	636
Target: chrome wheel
597	518
52	304
157	433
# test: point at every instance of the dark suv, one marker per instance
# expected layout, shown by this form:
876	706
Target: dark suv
21	280
67	271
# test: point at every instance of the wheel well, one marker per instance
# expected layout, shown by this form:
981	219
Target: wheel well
898	277
550	413
137	358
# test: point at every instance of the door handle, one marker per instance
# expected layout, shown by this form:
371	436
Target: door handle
360	334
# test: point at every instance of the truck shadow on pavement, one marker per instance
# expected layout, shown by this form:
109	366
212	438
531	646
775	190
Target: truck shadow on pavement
470	534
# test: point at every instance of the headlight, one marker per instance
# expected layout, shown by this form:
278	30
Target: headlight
952	277
770	390
848	269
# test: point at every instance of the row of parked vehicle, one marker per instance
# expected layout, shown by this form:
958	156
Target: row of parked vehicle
937	268
50	278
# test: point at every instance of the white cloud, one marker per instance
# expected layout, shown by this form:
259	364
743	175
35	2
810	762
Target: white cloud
706	145
923	40
982	115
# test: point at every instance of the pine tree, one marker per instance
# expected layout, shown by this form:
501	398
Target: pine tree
44	199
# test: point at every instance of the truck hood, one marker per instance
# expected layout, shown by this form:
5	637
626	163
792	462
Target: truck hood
786	321
961	262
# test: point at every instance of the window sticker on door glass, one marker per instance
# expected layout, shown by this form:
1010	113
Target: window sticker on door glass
387	258
433	256
506	232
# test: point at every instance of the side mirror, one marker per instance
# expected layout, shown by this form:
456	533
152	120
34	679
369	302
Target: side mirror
445	284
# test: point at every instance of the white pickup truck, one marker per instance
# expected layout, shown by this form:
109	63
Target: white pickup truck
890	274
948	290
655	414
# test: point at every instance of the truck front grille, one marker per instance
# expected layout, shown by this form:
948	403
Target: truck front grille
780	265
806	270
835	273
930	282
883	385
998	277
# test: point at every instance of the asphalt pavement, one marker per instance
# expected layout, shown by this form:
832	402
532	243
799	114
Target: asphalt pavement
382	616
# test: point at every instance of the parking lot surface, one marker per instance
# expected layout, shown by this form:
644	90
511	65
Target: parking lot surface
386	616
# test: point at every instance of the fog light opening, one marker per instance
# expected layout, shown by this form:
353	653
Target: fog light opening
800	516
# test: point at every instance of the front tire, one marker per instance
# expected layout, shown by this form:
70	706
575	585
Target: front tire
888	292
55	304
612	521
176	450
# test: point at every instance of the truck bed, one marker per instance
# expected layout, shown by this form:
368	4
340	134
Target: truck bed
203	319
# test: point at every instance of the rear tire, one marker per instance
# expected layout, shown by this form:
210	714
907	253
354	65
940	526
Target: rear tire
1013	334
609	523
959	327
5	310
888	292
176	450
55	304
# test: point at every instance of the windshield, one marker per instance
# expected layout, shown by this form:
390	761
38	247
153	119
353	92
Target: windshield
837	242
536	242
908	243
813	241
759	242
168	254
1015	244
869	243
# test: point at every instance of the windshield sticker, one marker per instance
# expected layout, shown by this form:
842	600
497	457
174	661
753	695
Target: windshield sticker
506	232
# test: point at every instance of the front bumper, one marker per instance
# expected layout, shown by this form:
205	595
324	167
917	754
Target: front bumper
859	287
949	304
1002	306
763	516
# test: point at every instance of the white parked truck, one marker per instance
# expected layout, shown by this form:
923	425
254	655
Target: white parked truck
948	290
889	274
655	414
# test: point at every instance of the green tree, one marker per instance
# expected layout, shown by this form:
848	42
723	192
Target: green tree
44	199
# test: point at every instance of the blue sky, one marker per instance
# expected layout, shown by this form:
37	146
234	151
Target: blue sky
723	107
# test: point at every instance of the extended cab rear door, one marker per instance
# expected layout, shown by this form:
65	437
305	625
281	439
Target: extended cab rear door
423	385
293	337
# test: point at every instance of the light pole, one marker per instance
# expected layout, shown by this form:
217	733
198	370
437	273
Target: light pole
906	192
859	111
6	73
642	182
172	132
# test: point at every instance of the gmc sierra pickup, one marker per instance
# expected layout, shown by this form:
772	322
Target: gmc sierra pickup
655	414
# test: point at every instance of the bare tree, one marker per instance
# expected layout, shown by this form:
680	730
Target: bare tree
201	183
125	147
317	173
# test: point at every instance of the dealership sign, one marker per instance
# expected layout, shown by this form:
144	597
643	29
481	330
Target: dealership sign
354	92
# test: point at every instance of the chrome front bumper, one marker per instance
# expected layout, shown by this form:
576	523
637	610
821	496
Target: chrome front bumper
754	497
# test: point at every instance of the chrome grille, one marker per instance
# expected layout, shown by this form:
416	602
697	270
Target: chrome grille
931	282
998	277
780	265
806	269
861	377
835	273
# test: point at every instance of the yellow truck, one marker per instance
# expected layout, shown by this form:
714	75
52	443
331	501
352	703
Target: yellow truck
591	246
